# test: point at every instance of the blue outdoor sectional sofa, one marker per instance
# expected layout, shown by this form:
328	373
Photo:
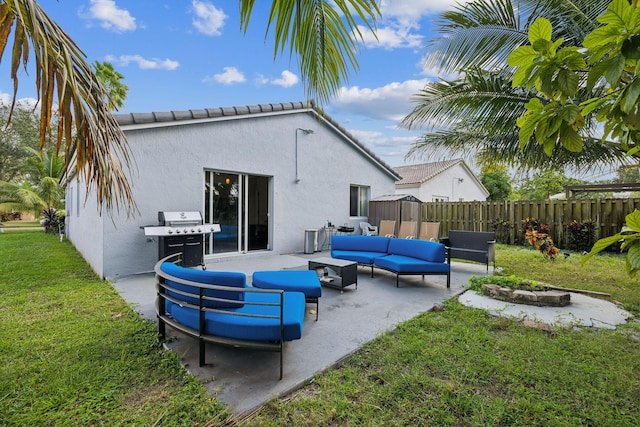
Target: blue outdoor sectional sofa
219	307
400	256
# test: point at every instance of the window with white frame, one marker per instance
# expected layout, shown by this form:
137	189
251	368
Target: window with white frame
358	200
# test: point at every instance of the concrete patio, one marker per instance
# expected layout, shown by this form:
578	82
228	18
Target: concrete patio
245	379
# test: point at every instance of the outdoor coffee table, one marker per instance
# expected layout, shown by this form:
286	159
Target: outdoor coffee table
338	273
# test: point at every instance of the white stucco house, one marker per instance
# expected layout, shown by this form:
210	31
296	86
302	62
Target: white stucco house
446	181
265	173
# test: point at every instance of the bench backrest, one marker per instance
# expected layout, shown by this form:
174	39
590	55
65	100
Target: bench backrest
360	243
471	239
420	249
218	278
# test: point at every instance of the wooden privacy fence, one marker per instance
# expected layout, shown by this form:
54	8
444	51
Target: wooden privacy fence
506	217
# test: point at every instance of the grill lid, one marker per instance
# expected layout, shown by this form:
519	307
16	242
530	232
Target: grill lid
179	218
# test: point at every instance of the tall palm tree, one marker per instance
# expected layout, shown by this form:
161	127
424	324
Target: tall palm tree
40	189
112	81
322	34
476	113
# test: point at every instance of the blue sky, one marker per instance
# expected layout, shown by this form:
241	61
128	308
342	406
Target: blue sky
191	54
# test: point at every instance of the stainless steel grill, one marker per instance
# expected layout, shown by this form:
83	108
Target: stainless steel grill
181	232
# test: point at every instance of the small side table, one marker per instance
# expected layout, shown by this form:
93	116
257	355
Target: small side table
327	232
345	273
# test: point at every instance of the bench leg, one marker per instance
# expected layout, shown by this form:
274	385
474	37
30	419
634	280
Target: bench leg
448	280
317	301
281	352
397	283
202	361
161	329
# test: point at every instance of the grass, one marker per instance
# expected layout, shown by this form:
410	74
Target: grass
602	273
73	353
20	224
15	226
461	367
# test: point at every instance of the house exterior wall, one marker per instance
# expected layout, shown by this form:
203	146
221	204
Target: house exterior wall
83	225
446	186
170	163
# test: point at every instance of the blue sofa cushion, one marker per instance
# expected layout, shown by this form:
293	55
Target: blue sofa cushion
250	328
360	249
357	256
360	243
304	281
409	264
220	278
420	249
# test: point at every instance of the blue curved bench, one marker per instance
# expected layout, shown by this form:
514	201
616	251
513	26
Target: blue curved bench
400	256
219	307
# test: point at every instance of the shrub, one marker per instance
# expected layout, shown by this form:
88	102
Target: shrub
581	235
510	281
53	220
502	228
537	234
10	216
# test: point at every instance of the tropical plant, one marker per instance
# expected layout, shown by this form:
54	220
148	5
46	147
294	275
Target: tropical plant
41	188
53	220
476	112
629	236
607	65
323	35
537	235
111	79
581	235
543	243
20	197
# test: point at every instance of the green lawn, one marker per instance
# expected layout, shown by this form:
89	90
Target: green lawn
73	353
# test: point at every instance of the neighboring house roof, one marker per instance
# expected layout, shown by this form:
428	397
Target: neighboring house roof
159	119
418	174
395	198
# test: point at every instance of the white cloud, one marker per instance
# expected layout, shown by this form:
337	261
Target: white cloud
231	75
27	103
392	149
399	26
415	9
392	37
209	19
111	17
287	79
389	102
144	63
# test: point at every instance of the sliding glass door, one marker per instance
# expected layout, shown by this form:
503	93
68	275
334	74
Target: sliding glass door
240	204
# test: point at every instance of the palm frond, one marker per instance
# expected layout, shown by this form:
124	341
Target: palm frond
480	99
99	150
492	149
323	35
484	32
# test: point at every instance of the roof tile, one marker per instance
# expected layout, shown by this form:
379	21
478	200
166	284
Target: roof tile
417	174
